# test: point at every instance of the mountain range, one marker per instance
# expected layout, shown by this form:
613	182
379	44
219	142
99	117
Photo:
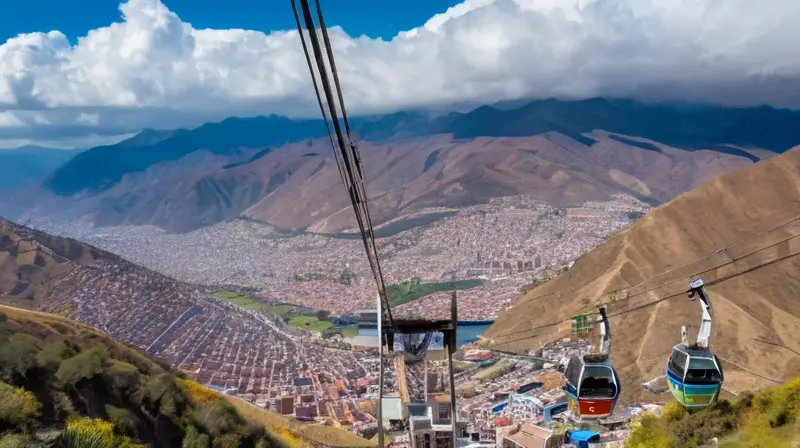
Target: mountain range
738	232
21	166
282	171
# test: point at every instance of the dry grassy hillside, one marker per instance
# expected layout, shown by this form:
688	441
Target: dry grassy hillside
753	285
30	259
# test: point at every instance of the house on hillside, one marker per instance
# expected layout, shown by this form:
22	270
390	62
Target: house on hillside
531	436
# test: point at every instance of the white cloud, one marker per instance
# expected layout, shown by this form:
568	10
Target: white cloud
152	69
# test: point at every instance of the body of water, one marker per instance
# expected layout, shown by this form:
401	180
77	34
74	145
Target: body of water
465	334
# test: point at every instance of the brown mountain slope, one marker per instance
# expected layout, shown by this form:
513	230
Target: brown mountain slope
753	284
298	185
30	260
440	171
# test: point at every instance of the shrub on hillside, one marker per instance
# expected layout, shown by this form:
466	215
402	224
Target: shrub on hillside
17	406
650	433
12	440
18	356
763	419
87	433
138	400
122	377
218	418
194	439
198	394
82	366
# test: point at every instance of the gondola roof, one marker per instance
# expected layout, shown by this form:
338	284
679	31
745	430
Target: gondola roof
692	350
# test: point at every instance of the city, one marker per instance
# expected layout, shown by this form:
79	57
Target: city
505	244
239	345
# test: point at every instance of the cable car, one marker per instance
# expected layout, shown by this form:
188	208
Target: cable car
694	373
592	383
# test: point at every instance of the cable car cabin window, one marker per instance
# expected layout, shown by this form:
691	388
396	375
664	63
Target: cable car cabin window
677	363
702	371
573	372
598	382
719	365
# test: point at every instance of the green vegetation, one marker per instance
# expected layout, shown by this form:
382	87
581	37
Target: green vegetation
400	293
346	277
769	418
63	384
246	302
303	318
310	323
349	331
462	366
310	276
496	371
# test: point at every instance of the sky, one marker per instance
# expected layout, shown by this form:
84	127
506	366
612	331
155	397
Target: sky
78	79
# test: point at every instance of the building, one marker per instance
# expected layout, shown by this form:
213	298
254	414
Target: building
302	382
531	436
305	413
367	318
477	355
430	424
285	406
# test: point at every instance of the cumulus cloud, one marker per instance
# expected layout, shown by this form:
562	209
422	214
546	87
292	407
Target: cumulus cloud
153	70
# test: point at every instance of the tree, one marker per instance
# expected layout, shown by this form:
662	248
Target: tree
323	315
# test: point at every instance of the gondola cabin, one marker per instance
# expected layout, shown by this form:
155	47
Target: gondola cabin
592	385
694	376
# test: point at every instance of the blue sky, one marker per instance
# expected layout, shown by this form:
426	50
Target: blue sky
375	18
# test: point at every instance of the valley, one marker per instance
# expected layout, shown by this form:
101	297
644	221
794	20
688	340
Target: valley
237	262
501	246
439	224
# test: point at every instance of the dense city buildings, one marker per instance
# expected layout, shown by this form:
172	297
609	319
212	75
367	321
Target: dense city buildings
253	353
504	244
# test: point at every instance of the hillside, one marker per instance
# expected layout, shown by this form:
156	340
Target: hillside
30	260
166	319
768	418
62	371
757	314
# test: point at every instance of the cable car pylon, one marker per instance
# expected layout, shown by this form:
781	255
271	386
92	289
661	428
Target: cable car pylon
592	383
694	373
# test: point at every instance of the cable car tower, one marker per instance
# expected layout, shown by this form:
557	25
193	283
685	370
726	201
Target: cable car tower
592	383
414	335
694	373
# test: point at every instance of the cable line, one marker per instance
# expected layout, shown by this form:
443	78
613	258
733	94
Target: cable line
654	302
717	251
732	261
350	167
